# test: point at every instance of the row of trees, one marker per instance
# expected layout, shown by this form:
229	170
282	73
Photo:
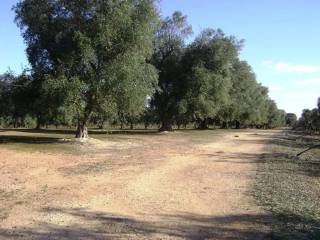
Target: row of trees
117	61
309	120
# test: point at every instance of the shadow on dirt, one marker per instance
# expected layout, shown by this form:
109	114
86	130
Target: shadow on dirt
31	136
4	139
92	225
100	225
72	132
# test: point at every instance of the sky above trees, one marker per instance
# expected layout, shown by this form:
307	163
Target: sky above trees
281	41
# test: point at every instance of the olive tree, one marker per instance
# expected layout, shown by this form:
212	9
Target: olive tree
90	53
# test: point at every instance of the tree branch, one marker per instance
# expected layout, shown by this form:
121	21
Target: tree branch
310	148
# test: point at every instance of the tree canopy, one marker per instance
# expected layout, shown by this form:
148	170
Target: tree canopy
310	120
90	52
119	62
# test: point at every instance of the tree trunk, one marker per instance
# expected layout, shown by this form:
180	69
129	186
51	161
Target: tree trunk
225	125
101	124
165	126
203	124
82	131
38	126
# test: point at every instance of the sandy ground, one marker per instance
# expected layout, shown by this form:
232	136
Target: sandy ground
146	187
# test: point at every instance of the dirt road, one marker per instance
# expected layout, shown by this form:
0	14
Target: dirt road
176	186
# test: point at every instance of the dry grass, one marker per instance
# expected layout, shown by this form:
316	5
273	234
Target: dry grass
290	186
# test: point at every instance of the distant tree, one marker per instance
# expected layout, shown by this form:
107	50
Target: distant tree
6	81
291	119
305	120
310	120
168	50
259	107
276	117
14	93
315	120
90	53
207	67
238	110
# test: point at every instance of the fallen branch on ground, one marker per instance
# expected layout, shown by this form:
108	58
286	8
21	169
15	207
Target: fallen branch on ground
310	148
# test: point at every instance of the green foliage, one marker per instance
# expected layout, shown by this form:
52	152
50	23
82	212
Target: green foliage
310	120
242	106
116	62
168	51
14	93
91	54
291	119
207	73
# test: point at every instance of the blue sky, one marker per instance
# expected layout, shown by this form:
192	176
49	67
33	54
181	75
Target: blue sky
282	41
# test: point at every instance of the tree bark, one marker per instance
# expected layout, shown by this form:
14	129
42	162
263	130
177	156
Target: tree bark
82	131
165	126
203	124
38	126
101	124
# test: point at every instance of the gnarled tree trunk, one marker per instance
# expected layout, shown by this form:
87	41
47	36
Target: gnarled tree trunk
203	124
238	125
39	122
82	131
166	126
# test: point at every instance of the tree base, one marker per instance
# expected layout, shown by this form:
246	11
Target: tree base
166	129
82	132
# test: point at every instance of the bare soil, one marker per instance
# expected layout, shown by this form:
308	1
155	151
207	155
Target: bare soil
184	185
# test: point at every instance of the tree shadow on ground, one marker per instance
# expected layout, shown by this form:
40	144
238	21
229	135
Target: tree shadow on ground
32	136
5	139
70	133
41	131
242	158
100	225
93	225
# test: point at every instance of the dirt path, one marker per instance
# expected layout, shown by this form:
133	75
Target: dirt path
176	186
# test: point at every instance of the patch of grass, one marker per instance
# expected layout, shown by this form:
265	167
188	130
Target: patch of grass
289	187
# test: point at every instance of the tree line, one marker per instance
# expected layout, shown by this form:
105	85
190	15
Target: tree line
93	62
309	120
